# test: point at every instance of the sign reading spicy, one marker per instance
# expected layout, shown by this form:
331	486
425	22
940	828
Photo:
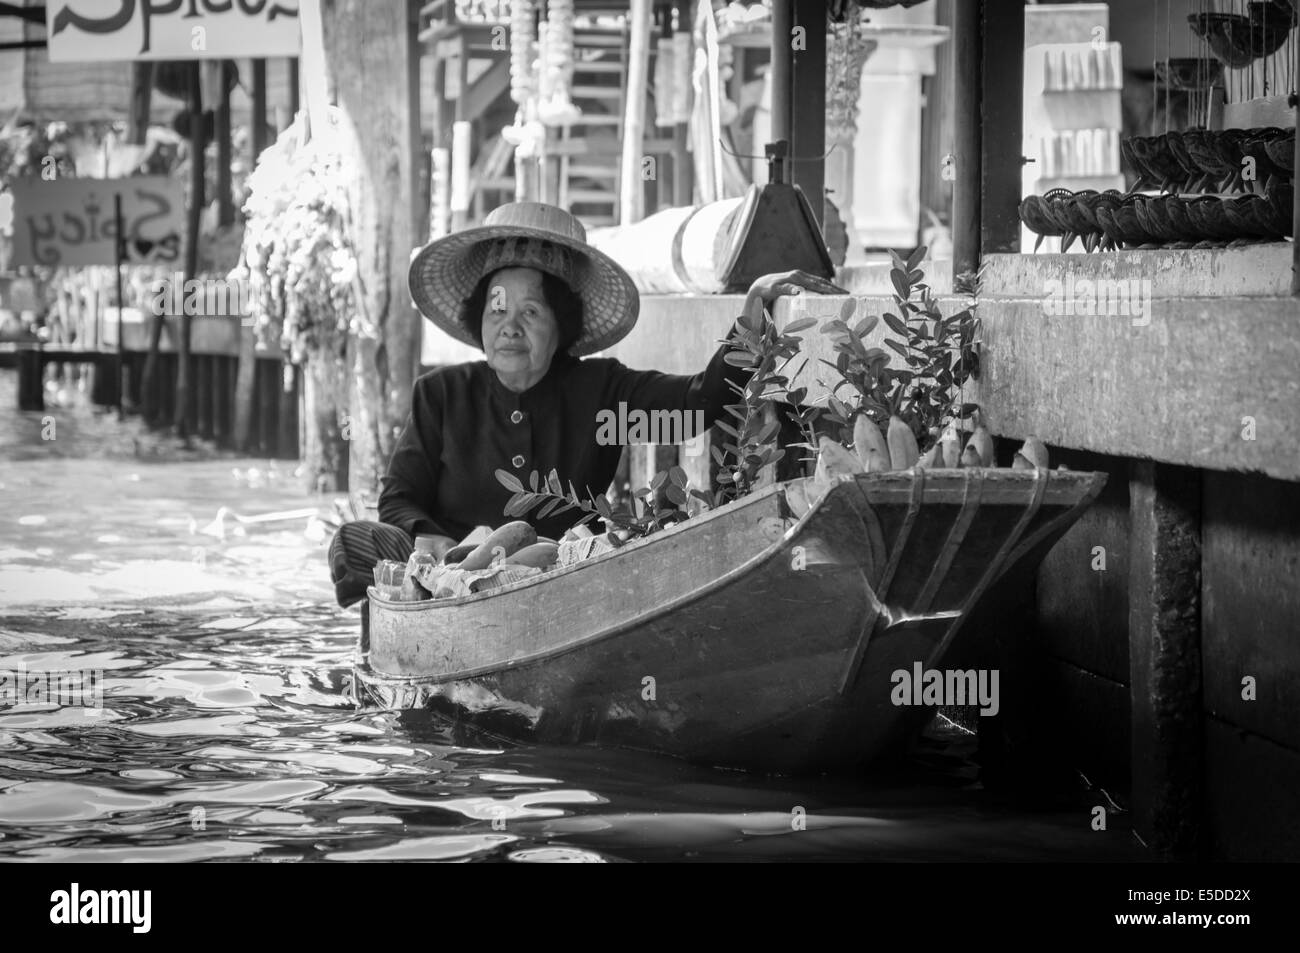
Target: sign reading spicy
171	29
70	221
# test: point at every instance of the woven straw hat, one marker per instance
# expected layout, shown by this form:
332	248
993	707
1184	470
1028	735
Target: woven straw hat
525	235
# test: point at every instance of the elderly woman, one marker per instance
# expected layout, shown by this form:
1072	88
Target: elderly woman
527	289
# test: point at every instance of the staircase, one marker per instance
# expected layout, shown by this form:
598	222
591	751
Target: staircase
584	158
589	151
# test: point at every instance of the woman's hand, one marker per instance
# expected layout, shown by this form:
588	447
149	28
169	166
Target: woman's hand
767	288
770	287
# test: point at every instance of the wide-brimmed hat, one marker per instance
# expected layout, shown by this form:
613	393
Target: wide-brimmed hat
525	235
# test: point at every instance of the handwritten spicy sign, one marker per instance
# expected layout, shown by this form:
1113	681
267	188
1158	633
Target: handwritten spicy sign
81	30
70	221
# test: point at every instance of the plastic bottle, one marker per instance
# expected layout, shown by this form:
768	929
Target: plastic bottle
423	556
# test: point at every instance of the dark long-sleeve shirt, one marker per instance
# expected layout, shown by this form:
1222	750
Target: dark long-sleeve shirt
465	425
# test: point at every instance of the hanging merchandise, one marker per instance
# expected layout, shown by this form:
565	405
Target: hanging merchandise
673	80
555	106
847	51
523	78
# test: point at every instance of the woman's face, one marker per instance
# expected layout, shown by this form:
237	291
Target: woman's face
520	332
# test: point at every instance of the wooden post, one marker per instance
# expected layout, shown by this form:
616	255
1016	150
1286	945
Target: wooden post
203	395
118	240
936	126
808	89
461	136
420	206
782	72
246	363
193	212
683	167
141	98
1001	104
259	110
369	49
294	96
224	133
1165	655
967	50
631	186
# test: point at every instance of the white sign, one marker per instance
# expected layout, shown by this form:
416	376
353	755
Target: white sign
82	30
71	222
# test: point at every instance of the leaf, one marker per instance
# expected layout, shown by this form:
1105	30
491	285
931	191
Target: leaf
803	324
678	476
546	510
728	429
603	508
509	481
657	481
702	496
675	494
894	345
739	359
866	325
718	455
847	310
896	324
532	481
899	280
553	483
916	257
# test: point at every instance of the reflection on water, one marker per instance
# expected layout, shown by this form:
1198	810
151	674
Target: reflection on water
243	743
227	730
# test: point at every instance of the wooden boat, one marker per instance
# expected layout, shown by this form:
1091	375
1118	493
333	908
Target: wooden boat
762	635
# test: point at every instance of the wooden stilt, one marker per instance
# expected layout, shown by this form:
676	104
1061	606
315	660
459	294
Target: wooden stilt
194	211
258	120
286	444
225	144
808	89
631	185
966	43
1001	102
1165	655
203	395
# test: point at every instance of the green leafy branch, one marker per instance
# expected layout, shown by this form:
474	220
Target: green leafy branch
758	345
644	514
940	355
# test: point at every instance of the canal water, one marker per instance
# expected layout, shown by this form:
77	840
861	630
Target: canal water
227	731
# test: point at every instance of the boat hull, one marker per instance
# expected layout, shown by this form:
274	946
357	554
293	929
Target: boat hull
762	636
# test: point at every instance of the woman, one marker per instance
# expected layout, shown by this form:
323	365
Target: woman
527	289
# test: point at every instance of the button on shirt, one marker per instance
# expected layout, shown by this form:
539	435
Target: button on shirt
465	425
